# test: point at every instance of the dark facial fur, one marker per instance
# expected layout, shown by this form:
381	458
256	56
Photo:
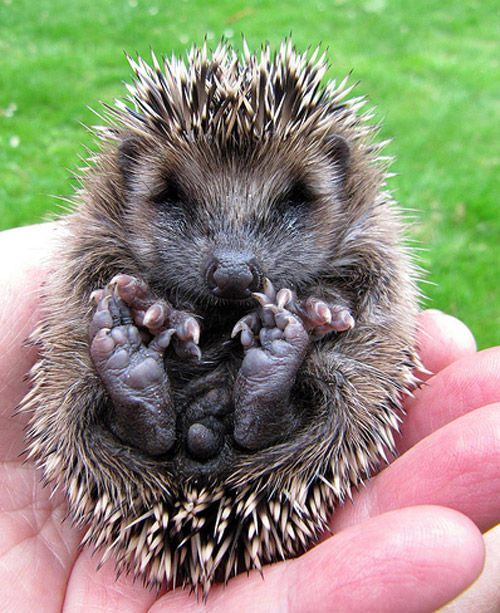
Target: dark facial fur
226	451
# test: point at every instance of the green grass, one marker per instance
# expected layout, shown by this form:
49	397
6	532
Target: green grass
432	68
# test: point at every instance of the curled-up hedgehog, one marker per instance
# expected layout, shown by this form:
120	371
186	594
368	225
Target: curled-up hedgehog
229	331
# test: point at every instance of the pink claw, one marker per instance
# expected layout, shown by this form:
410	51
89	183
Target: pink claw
96	295
121	281
342	319
247	336
323	312
189	330
284	297
103	304
262	299
248	326
103	343
133	291
239	327
269	290
154	316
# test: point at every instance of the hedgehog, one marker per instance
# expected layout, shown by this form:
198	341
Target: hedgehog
229	326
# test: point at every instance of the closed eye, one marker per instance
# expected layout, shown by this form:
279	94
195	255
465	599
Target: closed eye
296	200
171	193
175	207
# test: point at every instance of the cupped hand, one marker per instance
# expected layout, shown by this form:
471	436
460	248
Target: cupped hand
411	539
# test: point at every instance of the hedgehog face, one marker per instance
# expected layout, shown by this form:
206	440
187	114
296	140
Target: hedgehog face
209	226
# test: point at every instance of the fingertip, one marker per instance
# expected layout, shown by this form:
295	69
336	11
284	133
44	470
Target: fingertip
484	593
423	555
441	340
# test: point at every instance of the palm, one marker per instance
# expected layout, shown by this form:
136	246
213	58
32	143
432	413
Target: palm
42	567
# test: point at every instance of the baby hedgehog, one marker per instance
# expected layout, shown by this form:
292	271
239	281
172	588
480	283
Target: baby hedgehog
229	325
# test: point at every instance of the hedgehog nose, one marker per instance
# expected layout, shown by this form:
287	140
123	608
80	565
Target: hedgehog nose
233	275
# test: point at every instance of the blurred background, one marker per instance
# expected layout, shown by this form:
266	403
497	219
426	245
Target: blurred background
431	68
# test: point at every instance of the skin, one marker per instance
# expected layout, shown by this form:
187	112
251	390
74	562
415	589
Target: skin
412	540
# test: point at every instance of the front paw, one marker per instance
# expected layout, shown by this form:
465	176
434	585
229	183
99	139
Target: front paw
148	312
317	316
321	318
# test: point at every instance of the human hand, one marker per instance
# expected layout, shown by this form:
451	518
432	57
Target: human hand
411	541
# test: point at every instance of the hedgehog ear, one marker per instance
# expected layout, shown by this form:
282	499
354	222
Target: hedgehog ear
128	153
340	152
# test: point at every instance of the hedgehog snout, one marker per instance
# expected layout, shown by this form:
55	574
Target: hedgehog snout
233	275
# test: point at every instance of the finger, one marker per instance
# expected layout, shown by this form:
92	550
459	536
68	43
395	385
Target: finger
484	594
414	559
457	466
441	340
25	250
459	388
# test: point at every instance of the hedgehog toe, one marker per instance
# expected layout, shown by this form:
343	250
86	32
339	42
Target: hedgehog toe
203	442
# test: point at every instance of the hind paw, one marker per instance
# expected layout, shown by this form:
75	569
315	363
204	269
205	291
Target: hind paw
275	343
133	373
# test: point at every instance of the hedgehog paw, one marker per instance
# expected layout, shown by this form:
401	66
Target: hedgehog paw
158	317
317	316
320	318
134	377
275	343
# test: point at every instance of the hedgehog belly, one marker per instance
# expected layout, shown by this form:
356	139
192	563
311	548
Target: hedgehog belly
198	403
